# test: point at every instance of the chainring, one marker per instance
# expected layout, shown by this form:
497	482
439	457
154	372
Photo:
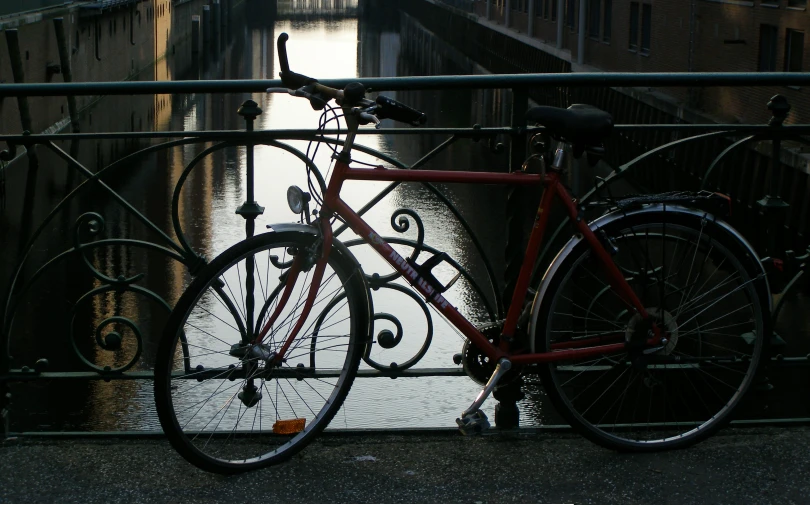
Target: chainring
477	364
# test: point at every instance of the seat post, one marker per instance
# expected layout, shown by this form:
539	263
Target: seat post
559	157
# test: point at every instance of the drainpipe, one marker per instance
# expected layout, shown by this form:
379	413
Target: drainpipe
560	21
508	13
581	38
531	18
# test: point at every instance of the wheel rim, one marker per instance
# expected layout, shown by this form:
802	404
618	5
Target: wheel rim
697	290
231	406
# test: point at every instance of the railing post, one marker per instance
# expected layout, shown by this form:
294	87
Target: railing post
249	210
489	9
216	29
531	18
506	412
772	208
517	148
583	9
195	37
206	29
225	7
507	15
560	22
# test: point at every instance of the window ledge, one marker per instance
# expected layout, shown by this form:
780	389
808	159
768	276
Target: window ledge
797	88
770	6
645	52
800	9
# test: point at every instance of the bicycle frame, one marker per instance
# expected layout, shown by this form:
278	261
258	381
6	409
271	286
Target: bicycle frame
552	187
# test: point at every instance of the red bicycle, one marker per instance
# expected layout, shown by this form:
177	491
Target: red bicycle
646	330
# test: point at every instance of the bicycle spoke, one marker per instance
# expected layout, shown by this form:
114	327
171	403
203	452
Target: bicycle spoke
232	405
697	291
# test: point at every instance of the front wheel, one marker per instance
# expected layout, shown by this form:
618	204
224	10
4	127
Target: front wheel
225	404
698	284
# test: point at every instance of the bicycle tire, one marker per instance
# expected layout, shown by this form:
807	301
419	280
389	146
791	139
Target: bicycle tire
682	393
205	324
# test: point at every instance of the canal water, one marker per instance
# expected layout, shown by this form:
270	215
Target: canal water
64	313
332	42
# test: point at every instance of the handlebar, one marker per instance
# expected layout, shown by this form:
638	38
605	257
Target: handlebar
398	111
353	94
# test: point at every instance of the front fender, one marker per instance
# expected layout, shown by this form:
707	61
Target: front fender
344	255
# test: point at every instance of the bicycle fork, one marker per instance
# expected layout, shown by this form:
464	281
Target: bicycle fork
295	270
257	349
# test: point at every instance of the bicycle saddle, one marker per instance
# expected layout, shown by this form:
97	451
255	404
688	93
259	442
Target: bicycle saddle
579	124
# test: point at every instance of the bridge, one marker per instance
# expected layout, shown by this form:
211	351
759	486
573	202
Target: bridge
111	257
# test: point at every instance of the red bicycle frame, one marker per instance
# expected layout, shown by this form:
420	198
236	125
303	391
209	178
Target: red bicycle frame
552	187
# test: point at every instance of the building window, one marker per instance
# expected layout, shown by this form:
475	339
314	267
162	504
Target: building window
553	10
794	50
633	45
608	20
646	27
547	8
593	18
767	48
797	4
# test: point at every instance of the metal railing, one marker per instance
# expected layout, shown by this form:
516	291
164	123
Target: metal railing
644	163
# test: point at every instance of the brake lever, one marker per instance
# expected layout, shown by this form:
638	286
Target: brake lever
294	92
366	118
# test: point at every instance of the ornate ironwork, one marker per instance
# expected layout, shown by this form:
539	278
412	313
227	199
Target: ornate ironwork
112	332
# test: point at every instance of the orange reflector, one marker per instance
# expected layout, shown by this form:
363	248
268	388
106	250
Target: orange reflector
289	426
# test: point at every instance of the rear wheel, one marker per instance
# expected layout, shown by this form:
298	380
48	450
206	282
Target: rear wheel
224	403
695	281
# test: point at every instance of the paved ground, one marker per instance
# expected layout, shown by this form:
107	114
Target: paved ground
742	465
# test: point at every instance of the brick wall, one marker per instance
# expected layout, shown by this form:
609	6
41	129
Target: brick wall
728	40
110	45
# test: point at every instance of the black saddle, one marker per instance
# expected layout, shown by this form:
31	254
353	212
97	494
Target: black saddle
580	124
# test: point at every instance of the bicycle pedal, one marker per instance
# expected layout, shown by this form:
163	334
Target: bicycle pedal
473	423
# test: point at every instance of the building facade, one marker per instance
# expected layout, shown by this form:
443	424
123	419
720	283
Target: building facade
676	36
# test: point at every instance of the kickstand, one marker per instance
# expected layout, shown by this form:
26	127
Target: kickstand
473	420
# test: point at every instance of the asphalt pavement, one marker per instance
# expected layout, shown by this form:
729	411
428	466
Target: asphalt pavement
737	466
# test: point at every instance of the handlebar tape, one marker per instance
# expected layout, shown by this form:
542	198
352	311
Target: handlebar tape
398	111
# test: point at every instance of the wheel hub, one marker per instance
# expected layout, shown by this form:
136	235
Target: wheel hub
638	330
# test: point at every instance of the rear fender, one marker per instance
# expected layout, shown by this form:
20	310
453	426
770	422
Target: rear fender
723	232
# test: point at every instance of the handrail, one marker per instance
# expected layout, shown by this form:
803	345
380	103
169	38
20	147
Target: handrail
585	79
